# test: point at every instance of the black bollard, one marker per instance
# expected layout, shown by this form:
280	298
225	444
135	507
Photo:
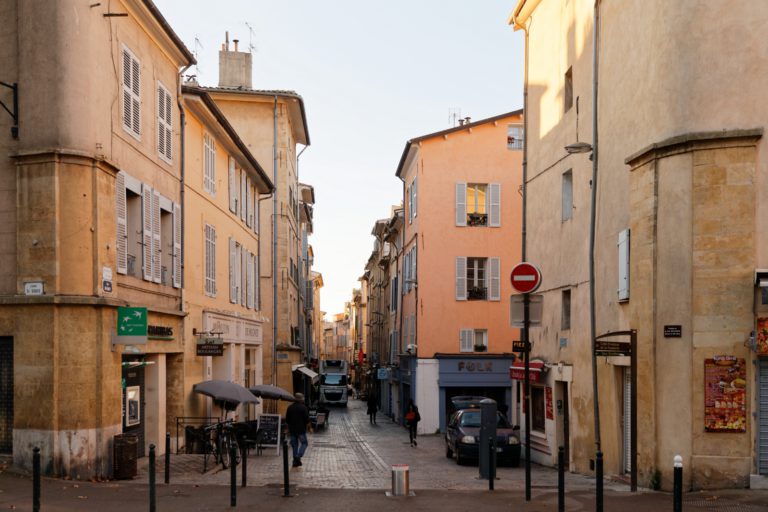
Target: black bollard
561	479
491	465
232	475
152	490
36	479
244	457
286	482
599	482
167	458
677	500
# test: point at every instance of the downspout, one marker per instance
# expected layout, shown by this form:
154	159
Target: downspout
592	220
274	243
300	258
182	163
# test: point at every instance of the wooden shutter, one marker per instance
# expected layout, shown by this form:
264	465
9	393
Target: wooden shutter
495	205
121	212
257	283
243	194
176	245
249	203
157	249
406	341
466	340
136	100
131	93
164	123
168	126
256	212
415	251
160	120
232	268
461	278
409	195
623	245
414	191
243	273
413	329
461	204
250	272
232	186
127	96
146	225
494	290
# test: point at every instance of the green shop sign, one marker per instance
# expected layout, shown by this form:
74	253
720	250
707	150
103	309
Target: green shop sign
131	326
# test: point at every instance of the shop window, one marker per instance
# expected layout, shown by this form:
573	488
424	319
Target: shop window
537	408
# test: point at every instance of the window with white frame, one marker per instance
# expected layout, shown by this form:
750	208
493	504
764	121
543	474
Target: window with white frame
473	340
478	204
478	278
567	195
164	124
209	164
131	88
210	260
515	136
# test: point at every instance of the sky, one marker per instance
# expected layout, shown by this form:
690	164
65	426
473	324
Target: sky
373	75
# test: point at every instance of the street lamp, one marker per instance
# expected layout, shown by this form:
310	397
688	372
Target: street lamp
578	147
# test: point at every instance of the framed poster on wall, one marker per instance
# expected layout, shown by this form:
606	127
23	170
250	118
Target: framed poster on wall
725	394
761	336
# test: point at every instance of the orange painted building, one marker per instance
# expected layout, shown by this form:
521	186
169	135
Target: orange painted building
460	241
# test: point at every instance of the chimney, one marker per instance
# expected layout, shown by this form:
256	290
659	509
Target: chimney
235	67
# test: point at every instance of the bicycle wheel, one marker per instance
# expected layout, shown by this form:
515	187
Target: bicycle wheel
209	453
224	446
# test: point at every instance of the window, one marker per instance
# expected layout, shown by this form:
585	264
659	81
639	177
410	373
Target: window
537	408
567	195
233	182
565	317
131	94
481	340
164	123
515	136
409	272
478	278
473	340
210	260
209	164
393	295
478	204
623	244
414	199
134	250
568	90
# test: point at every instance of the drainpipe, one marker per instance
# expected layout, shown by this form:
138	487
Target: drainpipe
182	162
274	243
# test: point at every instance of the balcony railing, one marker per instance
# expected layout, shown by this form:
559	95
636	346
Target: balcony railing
477	219
477	293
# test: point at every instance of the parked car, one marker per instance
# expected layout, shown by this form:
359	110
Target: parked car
462	437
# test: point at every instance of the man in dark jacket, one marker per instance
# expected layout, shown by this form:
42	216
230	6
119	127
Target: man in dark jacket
297	419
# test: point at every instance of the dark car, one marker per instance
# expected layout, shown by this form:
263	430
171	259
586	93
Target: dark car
462	437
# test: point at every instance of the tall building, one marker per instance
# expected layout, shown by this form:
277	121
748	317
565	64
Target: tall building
460	237
91	180
672	178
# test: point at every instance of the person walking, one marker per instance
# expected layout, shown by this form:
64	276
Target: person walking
373	406
297	419
412	419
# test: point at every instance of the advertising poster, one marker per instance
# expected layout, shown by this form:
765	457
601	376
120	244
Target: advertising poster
725	394
550	412
761	337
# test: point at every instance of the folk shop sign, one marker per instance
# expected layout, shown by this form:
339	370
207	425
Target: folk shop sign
475	366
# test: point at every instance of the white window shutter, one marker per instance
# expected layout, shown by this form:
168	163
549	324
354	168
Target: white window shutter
257	283
146	227
495	206
168	126
461	204
461	278
176	245
243	274
127	96
232	268
256	212
131	93
249	203
136	89
405	333
465	340
413	264
415	189
232	186
409	194
494	290
623	244
160	120
157	249
122	224
250	269
243	194
413	330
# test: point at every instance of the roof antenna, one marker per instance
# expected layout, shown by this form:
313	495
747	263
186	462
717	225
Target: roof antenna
454	116
251	46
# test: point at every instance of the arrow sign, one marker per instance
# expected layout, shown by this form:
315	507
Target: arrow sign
525	277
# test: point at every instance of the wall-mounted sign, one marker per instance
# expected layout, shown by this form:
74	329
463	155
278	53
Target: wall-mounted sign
159	332
550	411
761	335
607	348
383	374
210	347
520	346
106	279
725	394
476	366
673	331
131	326
33	288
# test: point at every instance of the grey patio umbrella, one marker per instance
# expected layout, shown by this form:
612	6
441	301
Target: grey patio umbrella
273	392
225	391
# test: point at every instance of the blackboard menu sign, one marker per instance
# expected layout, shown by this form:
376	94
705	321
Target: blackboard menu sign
270	425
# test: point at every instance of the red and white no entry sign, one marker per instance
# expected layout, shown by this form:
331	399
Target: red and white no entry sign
525	277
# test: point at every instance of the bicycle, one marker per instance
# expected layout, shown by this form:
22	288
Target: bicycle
219	439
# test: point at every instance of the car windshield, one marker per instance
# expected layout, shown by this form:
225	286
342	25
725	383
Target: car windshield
335	380
472	419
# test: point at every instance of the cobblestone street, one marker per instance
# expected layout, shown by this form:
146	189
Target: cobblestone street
353	454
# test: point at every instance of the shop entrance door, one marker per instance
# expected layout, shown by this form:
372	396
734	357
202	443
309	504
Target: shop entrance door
762	440
6	395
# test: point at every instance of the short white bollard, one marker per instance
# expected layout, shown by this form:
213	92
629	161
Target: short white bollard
400	484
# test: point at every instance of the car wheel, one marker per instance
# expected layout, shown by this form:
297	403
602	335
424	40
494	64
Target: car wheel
448	451
459	459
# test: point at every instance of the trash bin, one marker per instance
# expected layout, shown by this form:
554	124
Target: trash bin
400	484
125	456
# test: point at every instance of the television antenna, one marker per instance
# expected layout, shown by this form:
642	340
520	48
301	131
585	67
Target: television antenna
454	114
251	32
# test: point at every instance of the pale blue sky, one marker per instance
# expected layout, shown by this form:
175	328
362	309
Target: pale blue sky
372	75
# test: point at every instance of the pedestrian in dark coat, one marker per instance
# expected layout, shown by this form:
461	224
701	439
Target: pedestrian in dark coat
412	419
297	419
373	406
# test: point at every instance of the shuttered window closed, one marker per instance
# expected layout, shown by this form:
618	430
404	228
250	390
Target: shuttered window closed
762	463
210	260
177	245
466	340
495	206
461	204
461	278
131	94
121	211
164	124
146	228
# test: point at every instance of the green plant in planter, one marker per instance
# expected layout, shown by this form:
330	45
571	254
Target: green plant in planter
655	481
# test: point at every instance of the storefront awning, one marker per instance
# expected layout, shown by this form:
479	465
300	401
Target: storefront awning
517	370
313	376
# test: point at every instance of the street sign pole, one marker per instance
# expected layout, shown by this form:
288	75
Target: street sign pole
526	395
